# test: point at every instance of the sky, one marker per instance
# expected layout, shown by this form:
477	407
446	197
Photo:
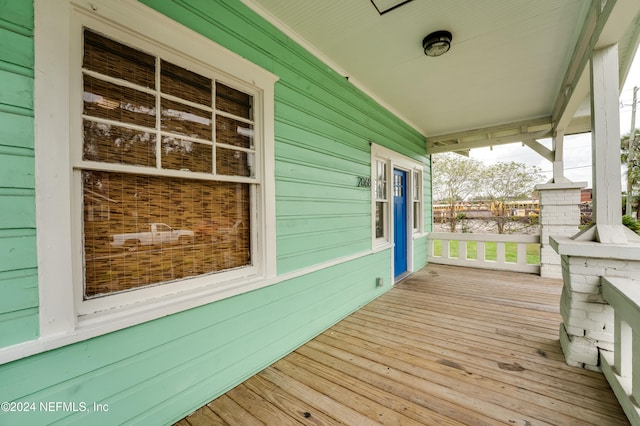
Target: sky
577	148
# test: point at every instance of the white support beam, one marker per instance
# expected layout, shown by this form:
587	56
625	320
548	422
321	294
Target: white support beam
605	24
605	120
490	141
495	135
540	149
575	85
558	160
520	131
606	136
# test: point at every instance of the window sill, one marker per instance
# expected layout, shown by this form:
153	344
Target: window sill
104	322
382	246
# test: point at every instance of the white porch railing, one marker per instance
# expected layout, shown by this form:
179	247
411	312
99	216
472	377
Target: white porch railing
622	367
466	244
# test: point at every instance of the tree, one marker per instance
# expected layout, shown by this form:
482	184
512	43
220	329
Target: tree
454	179
630	158
504	182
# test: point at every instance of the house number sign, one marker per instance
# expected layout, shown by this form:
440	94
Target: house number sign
364	182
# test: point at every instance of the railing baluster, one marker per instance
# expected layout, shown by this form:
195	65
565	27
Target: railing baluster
500	253
522	254
635	367
481	241
622	368
622	347
480	252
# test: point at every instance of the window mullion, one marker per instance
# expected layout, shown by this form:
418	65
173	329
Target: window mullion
158	95
214	129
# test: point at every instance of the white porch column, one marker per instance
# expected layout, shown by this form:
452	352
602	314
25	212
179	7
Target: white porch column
559	209
558	158
559	217
607	248
605	147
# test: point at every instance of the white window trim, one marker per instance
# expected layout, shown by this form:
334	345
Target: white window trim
59	259
396	160
385	240
419	230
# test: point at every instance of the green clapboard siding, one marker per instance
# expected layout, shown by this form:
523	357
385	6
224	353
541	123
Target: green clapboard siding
18	277
159	371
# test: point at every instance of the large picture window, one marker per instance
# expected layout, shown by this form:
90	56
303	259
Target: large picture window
152	115
154	166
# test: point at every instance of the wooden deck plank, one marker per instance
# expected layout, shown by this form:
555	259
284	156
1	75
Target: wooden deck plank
287	402
232	413
204	416
350	379
437	386
427	401
317	400
259	407
374	410
534	380
492	388
447	346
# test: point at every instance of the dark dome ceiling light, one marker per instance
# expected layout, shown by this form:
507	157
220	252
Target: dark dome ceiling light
437	43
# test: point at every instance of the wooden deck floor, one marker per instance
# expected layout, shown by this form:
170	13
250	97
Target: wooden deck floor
447	346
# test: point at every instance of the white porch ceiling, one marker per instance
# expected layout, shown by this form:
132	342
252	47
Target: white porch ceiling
507	63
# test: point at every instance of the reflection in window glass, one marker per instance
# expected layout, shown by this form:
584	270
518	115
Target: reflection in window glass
381	180
185	120
234	101
382	205
234	163
234	132
113	59
141	228
417	201
380	218
113	144
179	154
184	84
156	229
118	103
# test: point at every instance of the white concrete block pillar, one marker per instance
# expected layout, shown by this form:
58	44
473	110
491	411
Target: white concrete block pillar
607	248
559	216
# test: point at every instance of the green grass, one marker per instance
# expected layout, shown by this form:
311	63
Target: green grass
490	251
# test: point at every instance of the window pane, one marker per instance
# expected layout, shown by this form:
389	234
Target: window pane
416	185
178	154
111	58
234	101
118	103
381	180
234	163
398	186
115	144
380	218
416	215
185	120
144	230
177	81
234	132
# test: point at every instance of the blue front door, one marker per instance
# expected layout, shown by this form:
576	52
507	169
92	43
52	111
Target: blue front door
399	222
